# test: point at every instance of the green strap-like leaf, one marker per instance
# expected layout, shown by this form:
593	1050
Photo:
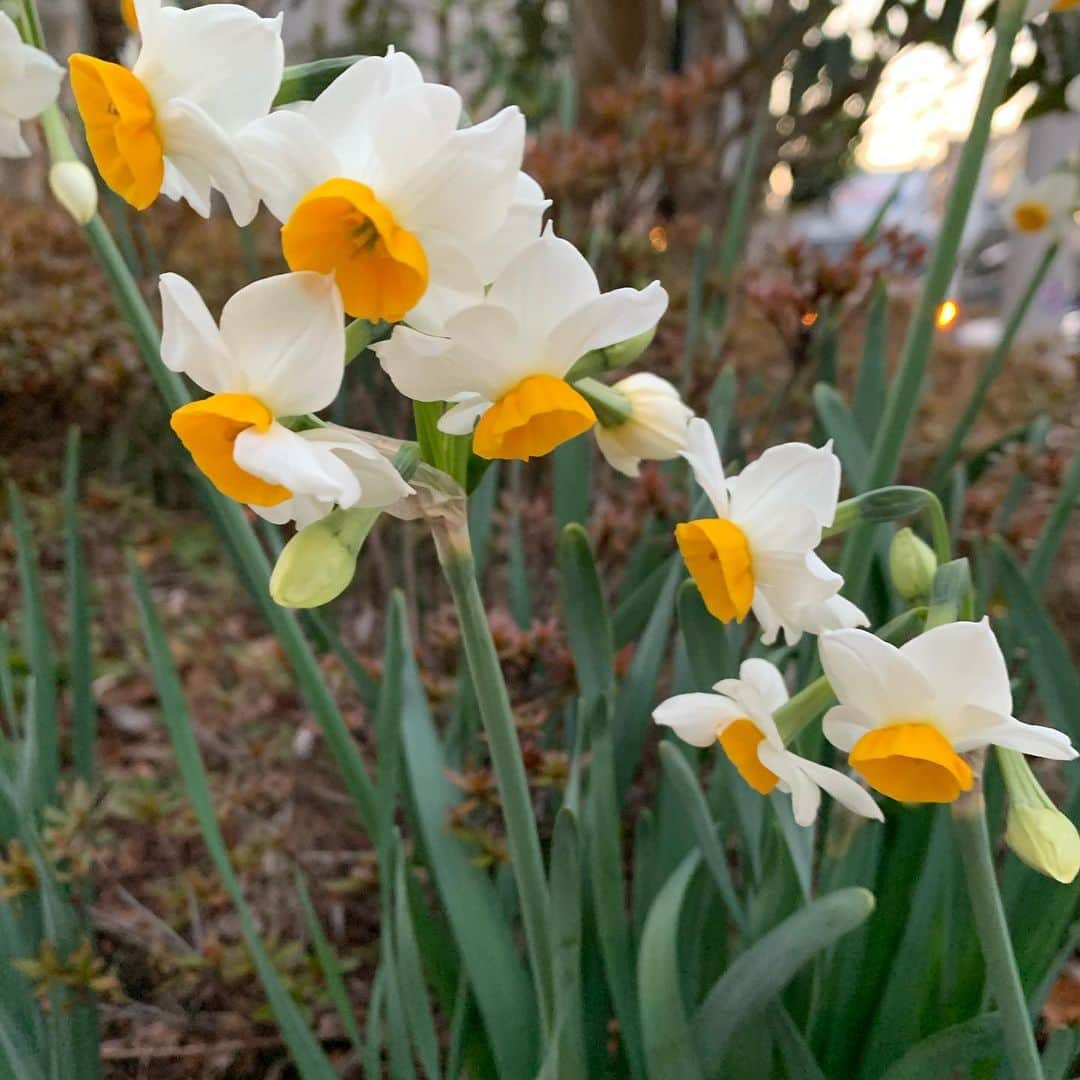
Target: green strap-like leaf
761	972
959	1047
668	1039
305	82
588	622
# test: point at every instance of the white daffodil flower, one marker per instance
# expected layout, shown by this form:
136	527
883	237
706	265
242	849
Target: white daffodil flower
758	552
375	182
1044	205
906	715
169	124
29	83
279	352
655	429
739	716
502	361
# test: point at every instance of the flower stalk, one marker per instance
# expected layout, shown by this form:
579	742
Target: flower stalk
973	839
455	557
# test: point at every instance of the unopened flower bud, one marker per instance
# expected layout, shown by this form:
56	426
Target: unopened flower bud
912	565
655	427
1036	830
621	354
317	565
1072	94
75	189
1045	839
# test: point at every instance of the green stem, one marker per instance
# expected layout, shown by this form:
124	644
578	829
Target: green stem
991	371
969	816
907	388
490	688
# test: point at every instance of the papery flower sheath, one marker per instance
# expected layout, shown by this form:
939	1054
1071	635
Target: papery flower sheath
907	714
279	352
375	182
169	124
29	83
502	362
739	716
758	552
1042	206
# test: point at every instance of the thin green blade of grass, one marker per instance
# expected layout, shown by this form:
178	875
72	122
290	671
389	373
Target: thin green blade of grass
329	963
39	652
588	622
80	656
870	383
304	1047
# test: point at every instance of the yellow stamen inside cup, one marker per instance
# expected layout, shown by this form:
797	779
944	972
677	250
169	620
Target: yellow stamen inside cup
538	414
1031	216
340	227
121	128
208	428
717	555
740	741
911	762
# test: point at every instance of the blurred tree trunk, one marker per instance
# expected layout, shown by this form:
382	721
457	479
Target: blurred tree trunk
614	41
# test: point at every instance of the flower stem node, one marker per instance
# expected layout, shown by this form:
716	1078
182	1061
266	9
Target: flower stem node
317	565
75	189
912	565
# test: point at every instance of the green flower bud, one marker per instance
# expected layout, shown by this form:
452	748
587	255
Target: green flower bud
912	565
318	563
1036	830
619	355
1045	839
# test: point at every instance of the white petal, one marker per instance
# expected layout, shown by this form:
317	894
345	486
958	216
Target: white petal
606	320
784	477
9	32
281	456
285	157
982	727
462	417
345	110
766	679
844	726
288	335
704	457
618	454
378	483
466	188
696	718
874	677
548	281
964	664
524	223
12	144
205	155
454	283
475	357
805	794
843	789
190	339
221	57
35	86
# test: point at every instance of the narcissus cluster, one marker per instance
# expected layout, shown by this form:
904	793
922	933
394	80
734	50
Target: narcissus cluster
420	226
